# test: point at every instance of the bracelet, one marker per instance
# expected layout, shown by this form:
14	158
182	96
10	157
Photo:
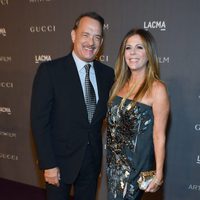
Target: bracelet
159	183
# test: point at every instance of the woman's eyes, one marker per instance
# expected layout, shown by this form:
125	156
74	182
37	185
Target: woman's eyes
140	47
137	47
127	48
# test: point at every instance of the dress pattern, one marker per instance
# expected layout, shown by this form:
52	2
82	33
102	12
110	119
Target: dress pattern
129	147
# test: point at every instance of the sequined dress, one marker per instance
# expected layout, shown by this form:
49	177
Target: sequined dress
129	148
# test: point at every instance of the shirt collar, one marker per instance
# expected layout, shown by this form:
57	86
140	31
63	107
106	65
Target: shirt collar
80	63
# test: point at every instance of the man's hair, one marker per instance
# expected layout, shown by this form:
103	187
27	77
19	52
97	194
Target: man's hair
92	15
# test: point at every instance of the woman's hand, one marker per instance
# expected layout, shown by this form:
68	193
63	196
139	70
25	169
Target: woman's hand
154	185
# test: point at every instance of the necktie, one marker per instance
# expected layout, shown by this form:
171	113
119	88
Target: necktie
90	97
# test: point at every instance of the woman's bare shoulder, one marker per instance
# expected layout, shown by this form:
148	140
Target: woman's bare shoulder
159	87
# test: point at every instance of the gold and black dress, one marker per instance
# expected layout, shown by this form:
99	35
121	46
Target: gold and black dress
129	147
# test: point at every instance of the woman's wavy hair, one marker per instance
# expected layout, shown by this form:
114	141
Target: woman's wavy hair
123	73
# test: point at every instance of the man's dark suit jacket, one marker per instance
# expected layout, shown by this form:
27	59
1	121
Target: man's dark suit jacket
59	117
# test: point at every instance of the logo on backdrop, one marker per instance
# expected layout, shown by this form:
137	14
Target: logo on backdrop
42	58
43	29
3	32
38	1
197	127
198	159
103	58
4	2
194	187
106	27
6	84
8	134
160	25
5	110
5	59
163	60
9	157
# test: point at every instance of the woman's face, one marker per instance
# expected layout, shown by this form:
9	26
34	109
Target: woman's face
135	54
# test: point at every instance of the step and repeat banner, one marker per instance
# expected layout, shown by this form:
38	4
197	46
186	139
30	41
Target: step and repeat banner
33	31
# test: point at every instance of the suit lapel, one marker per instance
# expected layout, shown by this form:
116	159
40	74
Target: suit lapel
75	82
99	79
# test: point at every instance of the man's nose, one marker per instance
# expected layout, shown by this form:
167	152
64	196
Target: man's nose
91	40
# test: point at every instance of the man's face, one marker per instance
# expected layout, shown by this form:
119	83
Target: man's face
87	39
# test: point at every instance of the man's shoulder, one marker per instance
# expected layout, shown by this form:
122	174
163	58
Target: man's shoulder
103	66
57	62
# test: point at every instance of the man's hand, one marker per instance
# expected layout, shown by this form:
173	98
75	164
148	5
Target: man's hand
52	176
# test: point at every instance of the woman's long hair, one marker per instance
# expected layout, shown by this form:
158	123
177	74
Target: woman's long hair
123	73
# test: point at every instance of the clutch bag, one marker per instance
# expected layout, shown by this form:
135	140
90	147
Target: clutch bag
145	179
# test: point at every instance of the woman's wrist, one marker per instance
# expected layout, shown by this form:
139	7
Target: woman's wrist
157	181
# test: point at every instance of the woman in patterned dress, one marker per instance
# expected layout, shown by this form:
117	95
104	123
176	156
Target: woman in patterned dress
137	116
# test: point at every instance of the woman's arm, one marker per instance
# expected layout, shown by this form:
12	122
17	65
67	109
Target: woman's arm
161	109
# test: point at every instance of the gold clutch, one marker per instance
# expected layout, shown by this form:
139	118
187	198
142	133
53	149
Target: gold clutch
145	179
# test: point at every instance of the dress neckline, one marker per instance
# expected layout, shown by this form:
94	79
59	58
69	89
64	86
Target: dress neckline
136	102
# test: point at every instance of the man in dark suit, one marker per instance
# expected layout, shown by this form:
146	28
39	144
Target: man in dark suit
66	130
